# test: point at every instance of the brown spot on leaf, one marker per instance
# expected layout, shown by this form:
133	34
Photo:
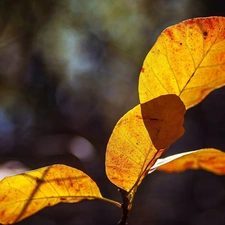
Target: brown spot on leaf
38	180
205	33
154	119
169	33
138	117
142	69
58	182
2	213
71	183
188	164
3	198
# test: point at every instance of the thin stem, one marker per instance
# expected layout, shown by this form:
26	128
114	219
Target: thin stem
111	201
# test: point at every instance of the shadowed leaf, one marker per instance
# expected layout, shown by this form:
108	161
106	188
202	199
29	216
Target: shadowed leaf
188	60
163	119
140	137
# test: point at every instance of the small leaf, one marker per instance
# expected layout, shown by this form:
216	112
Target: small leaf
163	161
140	137
188	60
210	159
24	194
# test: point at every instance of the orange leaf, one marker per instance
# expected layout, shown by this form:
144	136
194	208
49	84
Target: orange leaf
188	60
130	150
209	159
24	194
163	161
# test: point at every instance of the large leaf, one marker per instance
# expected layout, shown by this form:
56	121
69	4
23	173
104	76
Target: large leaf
210	159
140	137
188	60
24	194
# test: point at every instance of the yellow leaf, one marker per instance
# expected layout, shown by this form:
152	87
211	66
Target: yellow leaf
210	159
24	194
140	137
188	60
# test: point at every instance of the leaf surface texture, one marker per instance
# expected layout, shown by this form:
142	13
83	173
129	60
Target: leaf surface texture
24	194
188	60
210	159
140	137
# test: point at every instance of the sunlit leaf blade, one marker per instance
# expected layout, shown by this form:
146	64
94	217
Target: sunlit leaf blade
24	194
210	159
140	137
188	60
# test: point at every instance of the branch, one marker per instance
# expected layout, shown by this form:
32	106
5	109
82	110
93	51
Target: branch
124	206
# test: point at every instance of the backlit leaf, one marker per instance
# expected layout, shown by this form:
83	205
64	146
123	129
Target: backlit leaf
209	159
188	60
140	137
24	194
163	161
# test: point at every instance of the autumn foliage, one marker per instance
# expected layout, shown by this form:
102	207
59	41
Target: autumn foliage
186	63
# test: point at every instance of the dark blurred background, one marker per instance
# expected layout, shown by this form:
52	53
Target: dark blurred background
68	71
